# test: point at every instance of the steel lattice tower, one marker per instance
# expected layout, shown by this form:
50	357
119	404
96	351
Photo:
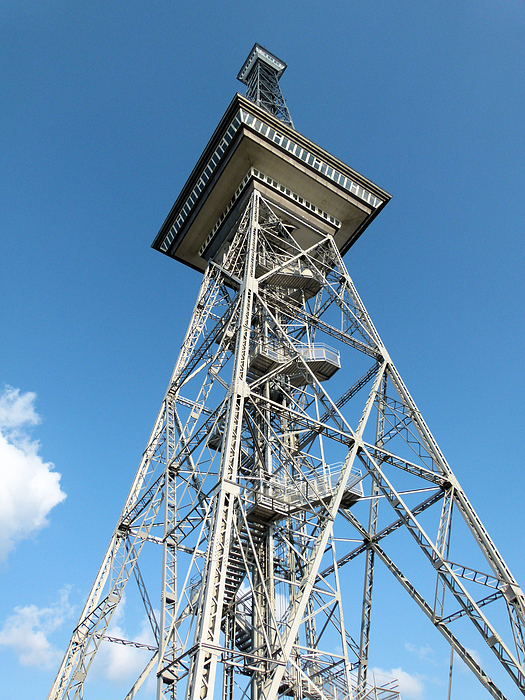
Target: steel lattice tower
264	482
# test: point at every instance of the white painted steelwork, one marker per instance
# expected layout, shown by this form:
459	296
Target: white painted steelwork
264	482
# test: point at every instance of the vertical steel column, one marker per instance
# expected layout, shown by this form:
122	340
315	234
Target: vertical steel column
366	616
203	662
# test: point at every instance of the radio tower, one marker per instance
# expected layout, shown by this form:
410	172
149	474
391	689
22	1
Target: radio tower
269	487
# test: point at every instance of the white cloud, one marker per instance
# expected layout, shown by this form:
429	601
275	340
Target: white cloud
121	663
410	687
26	632
420	652
16	410
29	488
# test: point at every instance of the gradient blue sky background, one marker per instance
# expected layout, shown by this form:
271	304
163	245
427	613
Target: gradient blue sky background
105	107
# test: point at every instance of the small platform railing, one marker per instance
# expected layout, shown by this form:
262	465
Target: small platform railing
273	496
319	351
323	360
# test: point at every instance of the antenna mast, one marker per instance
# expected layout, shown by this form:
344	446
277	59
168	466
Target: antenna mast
261	73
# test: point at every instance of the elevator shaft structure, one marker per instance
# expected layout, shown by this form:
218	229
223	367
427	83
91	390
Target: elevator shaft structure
287	450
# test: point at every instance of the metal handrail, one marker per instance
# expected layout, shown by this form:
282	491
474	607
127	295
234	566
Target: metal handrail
304	487
308	351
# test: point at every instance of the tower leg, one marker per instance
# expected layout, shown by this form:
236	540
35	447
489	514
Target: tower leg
255	473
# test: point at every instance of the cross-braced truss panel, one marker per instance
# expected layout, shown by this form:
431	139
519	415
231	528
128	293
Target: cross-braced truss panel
288	459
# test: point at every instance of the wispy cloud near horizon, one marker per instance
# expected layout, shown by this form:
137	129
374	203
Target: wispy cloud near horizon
27	629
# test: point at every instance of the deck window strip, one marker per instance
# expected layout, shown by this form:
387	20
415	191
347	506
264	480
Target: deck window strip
301	153
209	169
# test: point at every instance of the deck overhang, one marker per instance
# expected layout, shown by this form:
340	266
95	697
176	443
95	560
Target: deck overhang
252	149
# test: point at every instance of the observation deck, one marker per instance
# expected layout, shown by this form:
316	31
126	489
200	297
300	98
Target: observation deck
316	193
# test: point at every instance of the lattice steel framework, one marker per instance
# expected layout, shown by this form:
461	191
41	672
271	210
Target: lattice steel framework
262	485
261	73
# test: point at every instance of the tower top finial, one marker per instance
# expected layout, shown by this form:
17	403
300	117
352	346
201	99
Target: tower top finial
260	73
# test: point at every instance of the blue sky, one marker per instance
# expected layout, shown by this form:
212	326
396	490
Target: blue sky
106	106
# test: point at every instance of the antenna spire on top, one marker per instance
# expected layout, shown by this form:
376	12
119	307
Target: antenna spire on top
260	73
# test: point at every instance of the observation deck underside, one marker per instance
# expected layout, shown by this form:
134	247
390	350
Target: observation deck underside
252	149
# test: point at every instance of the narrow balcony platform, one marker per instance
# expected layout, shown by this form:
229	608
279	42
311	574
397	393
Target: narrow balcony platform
274	498
321	359
295	276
